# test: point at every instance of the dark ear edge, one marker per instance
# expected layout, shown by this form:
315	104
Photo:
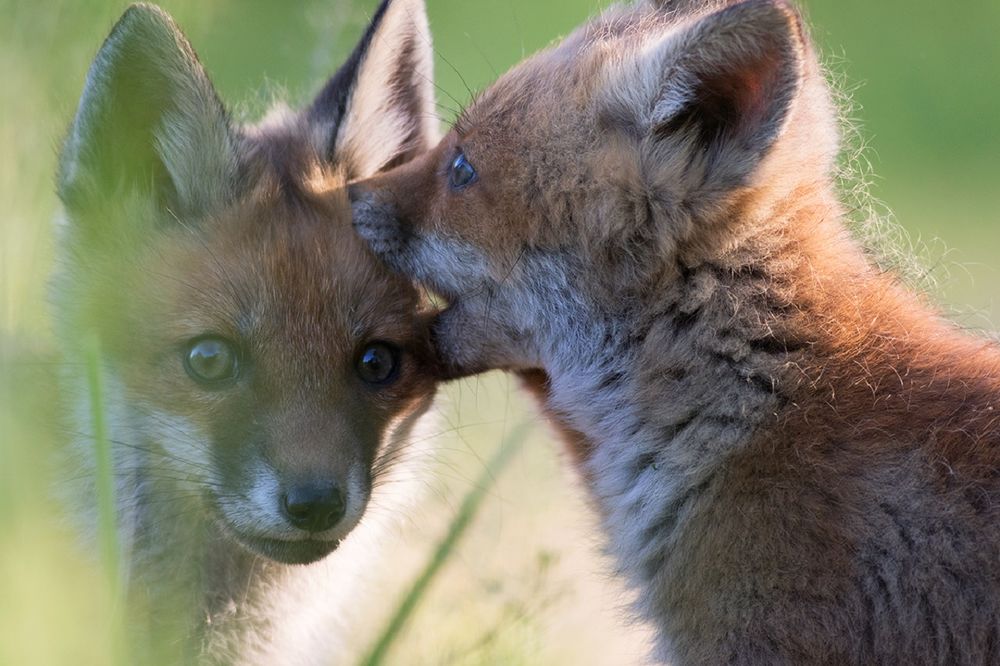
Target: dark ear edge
149	120
330	104
378	110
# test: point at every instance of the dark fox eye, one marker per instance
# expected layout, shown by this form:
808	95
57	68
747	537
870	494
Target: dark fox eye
379	364
462	173
211	361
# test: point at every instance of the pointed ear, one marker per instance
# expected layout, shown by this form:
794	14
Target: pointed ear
379	108
148	121
719	88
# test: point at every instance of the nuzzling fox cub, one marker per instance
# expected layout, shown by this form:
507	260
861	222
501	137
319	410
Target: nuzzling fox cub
263	371
796	460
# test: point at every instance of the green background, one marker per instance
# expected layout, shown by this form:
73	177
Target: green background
526	586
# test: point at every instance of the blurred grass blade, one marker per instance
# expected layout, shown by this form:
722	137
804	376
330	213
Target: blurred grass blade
104	468
470	507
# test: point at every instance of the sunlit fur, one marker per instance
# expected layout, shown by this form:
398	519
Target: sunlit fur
795	458
179	223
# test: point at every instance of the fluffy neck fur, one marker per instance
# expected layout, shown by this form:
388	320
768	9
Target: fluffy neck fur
794	456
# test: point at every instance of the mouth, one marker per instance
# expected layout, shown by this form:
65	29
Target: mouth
306	551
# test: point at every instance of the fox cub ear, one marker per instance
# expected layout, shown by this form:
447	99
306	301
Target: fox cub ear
149	120
719	88
380	105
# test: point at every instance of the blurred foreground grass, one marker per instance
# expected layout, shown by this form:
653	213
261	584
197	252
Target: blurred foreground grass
526	585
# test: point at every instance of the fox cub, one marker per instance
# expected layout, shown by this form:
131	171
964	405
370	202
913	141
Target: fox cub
263	371
795	459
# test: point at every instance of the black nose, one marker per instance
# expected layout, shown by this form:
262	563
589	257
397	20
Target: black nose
314	508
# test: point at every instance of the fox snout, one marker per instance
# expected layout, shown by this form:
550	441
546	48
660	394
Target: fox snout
294	518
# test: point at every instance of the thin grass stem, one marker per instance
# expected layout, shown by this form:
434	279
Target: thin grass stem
466	513
105	487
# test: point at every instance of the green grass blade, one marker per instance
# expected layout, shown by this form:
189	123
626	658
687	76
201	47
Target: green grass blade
470	507
104	468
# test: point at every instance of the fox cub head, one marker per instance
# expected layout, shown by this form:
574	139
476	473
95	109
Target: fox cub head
589	175
256	354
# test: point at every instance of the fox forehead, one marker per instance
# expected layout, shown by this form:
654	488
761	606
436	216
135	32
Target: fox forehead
536	135
276	270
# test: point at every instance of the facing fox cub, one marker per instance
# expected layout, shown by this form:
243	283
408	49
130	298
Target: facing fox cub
796	460
264	372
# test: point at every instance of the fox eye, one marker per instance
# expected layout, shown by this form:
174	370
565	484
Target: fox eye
211	361
462	173
378	364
